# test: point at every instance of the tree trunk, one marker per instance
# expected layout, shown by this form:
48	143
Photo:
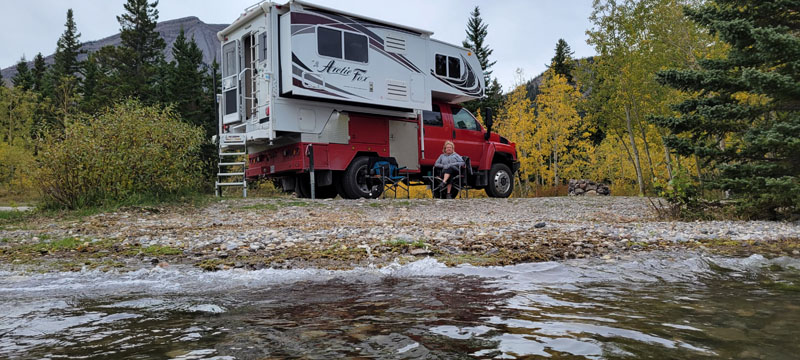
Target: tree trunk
667	155
555	166
646	149
636	162
668	159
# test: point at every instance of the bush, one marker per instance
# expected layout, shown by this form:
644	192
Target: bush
129	151
16	165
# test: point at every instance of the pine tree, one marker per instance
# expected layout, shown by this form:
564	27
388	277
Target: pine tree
185	84
745	116
476	38
138	57
38	73
67	50
562	61
23	79
93	76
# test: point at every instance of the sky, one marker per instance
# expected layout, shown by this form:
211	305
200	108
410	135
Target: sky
522	33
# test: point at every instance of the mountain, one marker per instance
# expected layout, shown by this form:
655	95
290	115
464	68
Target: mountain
205	35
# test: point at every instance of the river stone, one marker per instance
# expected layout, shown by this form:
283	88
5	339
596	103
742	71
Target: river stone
591	193
420	252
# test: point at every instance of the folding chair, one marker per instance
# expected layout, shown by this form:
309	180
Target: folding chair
458	181
388	172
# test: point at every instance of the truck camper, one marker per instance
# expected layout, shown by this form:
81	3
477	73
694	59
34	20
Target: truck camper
311	90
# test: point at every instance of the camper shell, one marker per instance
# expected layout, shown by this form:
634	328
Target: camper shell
299	74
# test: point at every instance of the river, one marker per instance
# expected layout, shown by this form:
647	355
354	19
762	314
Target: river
654	305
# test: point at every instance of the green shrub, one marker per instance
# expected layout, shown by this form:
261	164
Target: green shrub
128	151
16	165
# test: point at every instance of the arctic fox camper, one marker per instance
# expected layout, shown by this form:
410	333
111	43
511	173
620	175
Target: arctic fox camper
309	89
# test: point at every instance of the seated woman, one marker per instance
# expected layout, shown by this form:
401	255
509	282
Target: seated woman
449	162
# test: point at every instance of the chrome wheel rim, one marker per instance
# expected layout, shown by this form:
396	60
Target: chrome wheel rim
502	181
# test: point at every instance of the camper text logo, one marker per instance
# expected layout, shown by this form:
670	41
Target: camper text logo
355	74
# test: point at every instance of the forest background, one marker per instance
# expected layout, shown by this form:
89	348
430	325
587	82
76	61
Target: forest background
693	101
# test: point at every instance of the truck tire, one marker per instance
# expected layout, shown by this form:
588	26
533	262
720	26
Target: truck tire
356	181
501	181
338	183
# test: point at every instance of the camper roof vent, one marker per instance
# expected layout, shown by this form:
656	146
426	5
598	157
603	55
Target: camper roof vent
394	44
396	90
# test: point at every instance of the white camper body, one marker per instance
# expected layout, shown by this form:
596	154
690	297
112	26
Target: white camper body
293	72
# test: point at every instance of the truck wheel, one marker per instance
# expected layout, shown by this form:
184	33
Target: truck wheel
338	183
356	181
501	181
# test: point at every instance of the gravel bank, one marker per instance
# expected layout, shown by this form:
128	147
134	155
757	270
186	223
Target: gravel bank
257	233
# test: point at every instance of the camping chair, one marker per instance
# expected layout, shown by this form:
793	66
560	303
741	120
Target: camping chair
386	170
458	181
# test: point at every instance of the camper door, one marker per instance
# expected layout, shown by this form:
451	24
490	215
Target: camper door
230	82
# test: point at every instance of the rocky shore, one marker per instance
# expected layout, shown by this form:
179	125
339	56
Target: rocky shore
337	234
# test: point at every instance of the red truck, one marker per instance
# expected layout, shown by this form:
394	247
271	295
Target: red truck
342	168
305	87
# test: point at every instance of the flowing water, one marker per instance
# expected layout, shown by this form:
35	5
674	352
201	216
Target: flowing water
665	305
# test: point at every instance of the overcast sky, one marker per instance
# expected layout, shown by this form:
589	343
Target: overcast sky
523	33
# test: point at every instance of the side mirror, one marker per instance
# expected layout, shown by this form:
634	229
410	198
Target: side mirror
489	122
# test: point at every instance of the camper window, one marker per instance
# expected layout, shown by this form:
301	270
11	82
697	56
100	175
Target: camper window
355	47
329	42
448	66
342	45
229	59
441	65
262	45
453	67
432	118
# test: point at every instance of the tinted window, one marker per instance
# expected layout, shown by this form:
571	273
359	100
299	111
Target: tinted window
262	44
230	102
432	118
441	65
355	47
453	67
464	120
329	42
229	59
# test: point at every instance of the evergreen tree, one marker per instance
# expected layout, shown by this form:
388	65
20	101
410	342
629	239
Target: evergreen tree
138	57
476	38
38	73
92	102
185	84
745	116
67	50
23	79
562	62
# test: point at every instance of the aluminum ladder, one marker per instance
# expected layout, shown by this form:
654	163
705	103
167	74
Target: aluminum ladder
232	166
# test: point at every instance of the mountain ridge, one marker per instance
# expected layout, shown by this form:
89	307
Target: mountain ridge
205	35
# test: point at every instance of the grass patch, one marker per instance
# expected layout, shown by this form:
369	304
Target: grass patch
260	207
272	206
161	250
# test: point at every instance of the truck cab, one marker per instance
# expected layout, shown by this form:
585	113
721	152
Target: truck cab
451	122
